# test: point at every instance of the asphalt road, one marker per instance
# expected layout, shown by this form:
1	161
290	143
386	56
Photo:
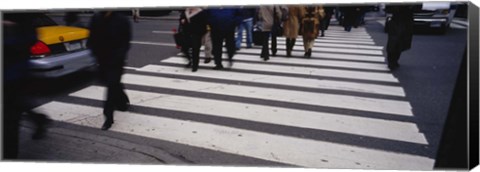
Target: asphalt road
367	125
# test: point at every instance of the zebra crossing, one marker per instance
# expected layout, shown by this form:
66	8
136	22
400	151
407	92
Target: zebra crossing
342	108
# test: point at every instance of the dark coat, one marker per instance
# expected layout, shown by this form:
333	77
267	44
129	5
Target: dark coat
197	24
400	28
349	15
224	19
109	38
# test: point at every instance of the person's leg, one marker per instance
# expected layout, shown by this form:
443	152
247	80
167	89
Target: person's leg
327	20
217	48
239	38
288	42
124	102
207	42
196	44
265	53
230	43
305	46
310	46
274	43
114	91
249	30
186	50
392	59
292	44
323	25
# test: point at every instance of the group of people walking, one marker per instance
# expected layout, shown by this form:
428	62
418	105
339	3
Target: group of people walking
213	27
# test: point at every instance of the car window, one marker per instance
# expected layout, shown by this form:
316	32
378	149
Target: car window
37	19
43	20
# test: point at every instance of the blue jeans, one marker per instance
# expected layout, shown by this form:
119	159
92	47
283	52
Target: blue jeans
248	26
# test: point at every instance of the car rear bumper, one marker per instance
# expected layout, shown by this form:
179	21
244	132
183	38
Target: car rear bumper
431	22
60	65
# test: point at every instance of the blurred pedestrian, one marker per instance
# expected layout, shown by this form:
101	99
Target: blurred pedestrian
291	27
325	22
19	35
136	15
360	12
339	15
310	27
349	17
223	22
247	24
110	35
267	16
400	32
195	27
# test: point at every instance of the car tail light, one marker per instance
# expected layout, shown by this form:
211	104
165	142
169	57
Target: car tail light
39	50
445	11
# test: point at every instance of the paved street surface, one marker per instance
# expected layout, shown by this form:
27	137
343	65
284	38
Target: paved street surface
341	108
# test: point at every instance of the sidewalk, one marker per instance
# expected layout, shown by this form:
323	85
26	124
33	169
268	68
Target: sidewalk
88	145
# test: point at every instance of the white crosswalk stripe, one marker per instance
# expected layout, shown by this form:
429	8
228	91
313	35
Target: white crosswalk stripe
351	63
372	76
282	80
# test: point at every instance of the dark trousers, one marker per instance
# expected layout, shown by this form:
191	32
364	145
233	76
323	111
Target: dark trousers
116	97
196	44
265	38
393	57
325	23
217	44
290	43
348	22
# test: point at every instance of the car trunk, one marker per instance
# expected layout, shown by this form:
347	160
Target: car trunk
62	39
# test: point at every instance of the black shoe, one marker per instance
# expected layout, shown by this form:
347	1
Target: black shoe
230	62
107	124
289	54
266	58
218	67
207	60
194	69
322	35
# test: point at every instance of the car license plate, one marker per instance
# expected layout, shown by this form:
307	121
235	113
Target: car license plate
73	46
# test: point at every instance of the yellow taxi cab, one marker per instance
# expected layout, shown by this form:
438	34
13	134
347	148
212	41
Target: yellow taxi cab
60	50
